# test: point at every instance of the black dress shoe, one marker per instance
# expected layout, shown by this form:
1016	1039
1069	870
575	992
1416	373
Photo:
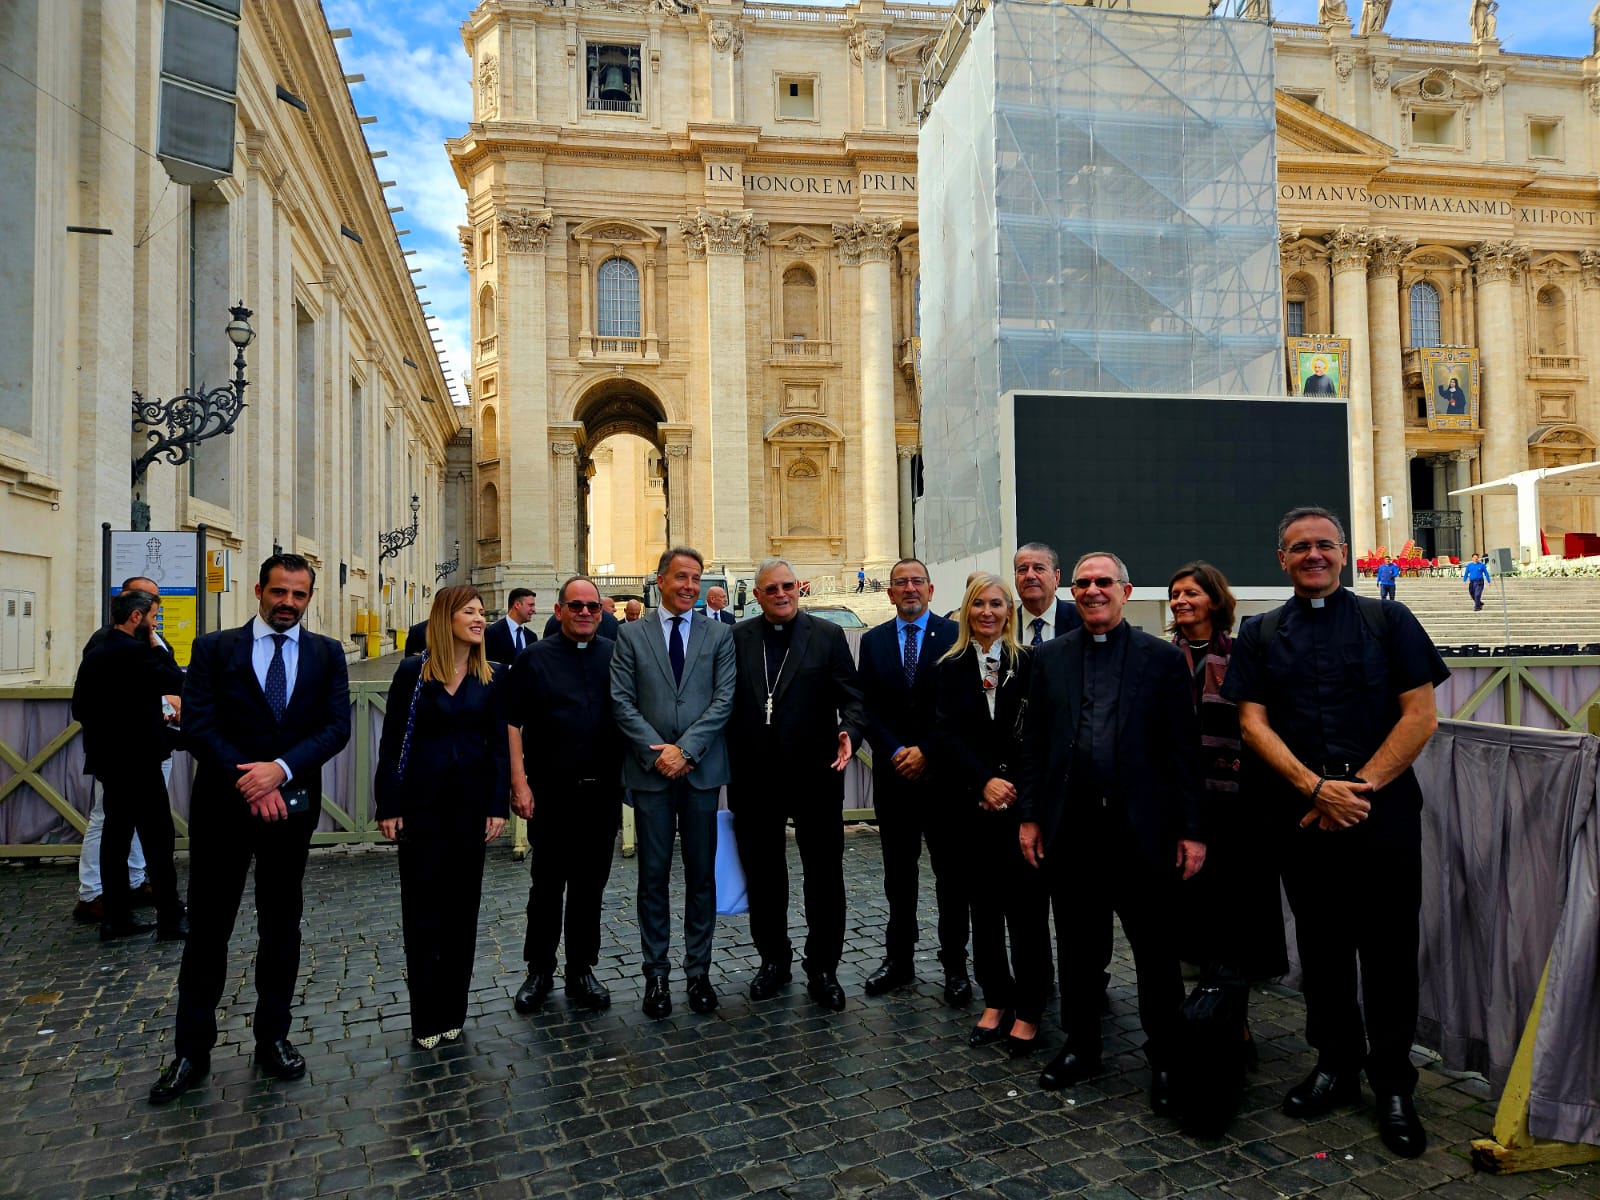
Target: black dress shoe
825	990
173	931
769	980
1400	1127
702	996
1066	1069
891	973
1018	1047
585	991
181	1075
1161	1101
957	989
982	1036
657	999
532	992
280	1059
1321	1092
110	931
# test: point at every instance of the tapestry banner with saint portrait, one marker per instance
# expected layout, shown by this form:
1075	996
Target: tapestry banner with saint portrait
1319	366
1452	382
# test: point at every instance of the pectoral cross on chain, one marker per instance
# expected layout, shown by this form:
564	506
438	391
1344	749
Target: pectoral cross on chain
769	709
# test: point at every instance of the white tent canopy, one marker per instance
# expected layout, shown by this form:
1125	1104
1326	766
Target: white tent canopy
1580	479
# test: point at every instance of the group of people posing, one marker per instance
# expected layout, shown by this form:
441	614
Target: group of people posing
1051	756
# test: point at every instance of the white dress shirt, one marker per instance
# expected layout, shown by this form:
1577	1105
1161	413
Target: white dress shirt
261	659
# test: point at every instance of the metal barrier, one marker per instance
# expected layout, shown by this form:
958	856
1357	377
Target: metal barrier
45	799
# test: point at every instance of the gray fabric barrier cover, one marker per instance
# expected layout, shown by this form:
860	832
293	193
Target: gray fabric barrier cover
1511	861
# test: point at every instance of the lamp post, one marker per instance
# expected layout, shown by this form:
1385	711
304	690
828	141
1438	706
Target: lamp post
396	540
444	570
175	427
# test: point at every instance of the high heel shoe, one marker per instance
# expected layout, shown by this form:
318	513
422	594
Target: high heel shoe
1018	1047
428	1042
984	1036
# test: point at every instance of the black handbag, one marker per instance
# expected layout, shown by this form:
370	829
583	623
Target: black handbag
1209	1072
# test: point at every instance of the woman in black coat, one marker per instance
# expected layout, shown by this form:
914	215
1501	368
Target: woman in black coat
442	791
982	691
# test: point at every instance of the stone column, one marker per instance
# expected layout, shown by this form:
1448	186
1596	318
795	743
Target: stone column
1349	250
723	242
652	342
1388	384
676	443
564	478
868	242
1463	479
525	463
1588	339
907	537
1505	429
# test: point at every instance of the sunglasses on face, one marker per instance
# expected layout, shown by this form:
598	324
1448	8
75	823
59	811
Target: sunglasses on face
1103	582
593	606
772	589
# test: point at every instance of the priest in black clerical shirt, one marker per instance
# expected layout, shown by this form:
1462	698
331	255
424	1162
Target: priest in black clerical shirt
797	720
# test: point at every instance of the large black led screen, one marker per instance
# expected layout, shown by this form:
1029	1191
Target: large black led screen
1161	481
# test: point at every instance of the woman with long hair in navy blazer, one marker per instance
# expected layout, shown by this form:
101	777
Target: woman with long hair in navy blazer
983	687
442	792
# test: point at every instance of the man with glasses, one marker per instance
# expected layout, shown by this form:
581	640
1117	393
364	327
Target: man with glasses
672	680
1037	568
796	722
566	782
1335	696
1110	806
899	679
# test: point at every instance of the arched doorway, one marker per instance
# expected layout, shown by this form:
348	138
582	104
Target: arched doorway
626	446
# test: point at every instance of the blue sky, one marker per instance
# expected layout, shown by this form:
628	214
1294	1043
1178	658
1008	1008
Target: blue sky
418	86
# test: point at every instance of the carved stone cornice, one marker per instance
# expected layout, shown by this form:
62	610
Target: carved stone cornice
868	44
727	37
866	239
726	232
525	230
468	240
1350	248
1388	253
1589	268
1499	260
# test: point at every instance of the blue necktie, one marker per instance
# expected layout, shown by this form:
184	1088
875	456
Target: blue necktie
1037	625
911	655
277	688
676	652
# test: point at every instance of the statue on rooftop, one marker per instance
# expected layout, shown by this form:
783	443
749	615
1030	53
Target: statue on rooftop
1483	20
1373	14
1332	12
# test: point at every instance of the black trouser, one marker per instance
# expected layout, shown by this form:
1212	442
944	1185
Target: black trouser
1358	898
441	881
758	827
571	839
1095	870
909	814
1475	590
690	813
136	802
1007	894
224	838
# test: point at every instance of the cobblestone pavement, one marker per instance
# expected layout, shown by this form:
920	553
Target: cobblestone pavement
884	1099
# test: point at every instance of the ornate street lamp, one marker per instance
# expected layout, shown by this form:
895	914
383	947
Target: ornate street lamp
176	426
444	570
396	540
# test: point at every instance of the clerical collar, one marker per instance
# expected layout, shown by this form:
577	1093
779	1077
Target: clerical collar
1099	637
777	627
1319	601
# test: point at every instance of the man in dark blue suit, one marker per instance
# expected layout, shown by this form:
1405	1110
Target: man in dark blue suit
717	605
508	637
899	678
1044	617
264	707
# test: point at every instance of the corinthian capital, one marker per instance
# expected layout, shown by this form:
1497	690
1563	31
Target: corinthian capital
1499	260
1589	267
866	239
1350	248
726	232
1388	253
525	229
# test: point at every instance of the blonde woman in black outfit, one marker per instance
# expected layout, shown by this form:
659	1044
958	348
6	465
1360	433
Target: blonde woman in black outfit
983	686
442	791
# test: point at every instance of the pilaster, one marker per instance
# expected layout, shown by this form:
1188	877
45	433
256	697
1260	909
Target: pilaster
1388	384
1349	250
1505	434
522	340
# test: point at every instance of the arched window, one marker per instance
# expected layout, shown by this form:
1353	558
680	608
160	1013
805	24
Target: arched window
489	512
799	305
1424	314
488	435
617	289
1551	321
486	316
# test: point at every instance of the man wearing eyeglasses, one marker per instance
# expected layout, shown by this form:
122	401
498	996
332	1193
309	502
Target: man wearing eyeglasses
899	678
1110	808
1335	695
566	782
797	719
1037	568
672	681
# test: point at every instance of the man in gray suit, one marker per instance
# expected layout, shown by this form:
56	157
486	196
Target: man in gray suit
672	681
